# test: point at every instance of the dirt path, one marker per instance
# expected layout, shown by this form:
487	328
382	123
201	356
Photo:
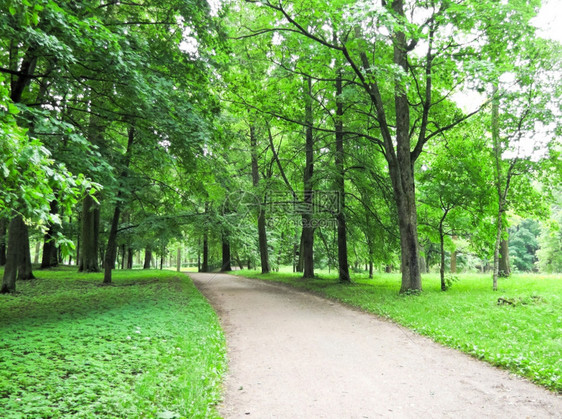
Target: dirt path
295	355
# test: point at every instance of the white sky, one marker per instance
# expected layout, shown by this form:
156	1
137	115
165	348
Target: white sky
549	20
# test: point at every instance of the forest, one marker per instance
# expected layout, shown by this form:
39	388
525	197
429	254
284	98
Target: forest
344	135
399	156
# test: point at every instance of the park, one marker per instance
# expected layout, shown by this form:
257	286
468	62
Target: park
280	208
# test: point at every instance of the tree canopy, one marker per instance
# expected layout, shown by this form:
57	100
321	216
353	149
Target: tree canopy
318	134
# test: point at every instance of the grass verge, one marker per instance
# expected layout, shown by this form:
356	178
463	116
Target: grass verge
149	345
522	334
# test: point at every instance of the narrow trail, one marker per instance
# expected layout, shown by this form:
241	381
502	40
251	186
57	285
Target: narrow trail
295	355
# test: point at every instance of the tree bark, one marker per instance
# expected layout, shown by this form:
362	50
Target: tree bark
501	209
497	253
299	263
205	264
396	142
504	269
89	236
3	225
402	170
111	251
226	258
25	270
442	262
343	266
50	252
262	234
308	209
123	256
37	253
147	258
15	235
130	256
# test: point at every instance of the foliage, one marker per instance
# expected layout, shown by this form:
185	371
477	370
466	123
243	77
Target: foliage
550	241
29	175
524	338
148	346
523	245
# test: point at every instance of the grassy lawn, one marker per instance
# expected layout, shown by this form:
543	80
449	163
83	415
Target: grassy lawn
525	337
147	346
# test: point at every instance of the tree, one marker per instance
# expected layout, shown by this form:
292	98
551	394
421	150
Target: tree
29	178
262	234
453	188
523	245
406	82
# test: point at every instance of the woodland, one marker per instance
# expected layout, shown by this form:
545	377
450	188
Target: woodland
354	136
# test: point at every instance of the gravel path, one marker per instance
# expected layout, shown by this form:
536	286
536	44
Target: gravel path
295	355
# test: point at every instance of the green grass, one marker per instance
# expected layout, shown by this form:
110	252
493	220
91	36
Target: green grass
147	346
525	338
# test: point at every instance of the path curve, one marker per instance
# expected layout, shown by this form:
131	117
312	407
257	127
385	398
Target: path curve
296	355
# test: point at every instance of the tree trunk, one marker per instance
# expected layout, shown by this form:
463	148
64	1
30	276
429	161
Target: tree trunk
3	225
404	192
37	253
178	260
262	235
299	266
25	270
199	255
111	251
123	256
18	257
15	236
205	264
497	157
343	266
308	208
442	263
89	236
226	259
504	269
147	258
396	141
130	256
402	175
50	251
497	253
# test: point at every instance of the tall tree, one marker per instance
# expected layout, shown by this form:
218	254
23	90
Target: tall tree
307	237
343	266
3	228
89	236
262	234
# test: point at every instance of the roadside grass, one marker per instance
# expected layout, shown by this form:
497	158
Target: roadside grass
523	333
149	345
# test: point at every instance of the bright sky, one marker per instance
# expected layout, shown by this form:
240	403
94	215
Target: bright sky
549	20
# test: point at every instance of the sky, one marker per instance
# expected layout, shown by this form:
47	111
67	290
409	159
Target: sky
549	20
